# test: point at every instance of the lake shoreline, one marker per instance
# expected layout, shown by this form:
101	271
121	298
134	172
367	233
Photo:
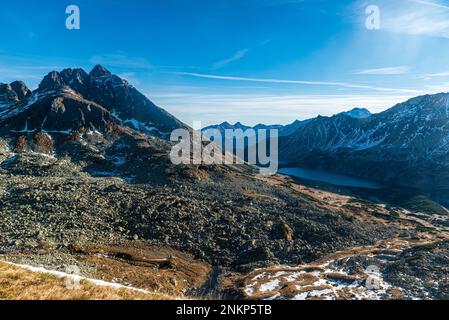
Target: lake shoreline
327	177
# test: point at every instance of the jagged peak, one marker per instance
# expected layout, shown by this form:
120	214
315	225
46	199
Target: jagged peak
51	81
96	87
21	89
18	83
14	91
69	72
5	87
75	78
99	71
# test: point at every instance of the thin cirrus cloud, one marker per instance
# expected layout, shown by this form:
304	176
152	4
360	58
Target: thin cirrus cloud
415	17
436	75
298	82
385	71
32	75
237	56
430	3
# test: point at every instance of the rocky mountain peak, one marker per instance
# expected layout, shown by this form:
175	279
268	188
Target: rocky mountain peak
51	81
20	88
77	79
72	99
7	95
5	88
99	71
13	92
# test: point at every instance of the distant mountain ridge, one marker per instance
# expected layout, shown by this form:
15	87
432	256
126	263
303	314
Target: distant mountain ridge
283	130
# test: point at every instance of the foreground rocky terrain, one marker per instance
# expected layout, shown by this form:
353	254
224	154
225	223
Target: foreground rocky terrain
182	241
411	265
237	222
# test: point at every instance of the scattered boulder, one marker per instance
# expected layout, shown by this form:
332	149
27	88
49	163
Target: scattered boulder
283	231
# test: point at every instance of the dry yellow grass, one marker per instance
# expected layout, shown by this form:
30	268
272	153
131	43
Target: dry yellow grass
20	284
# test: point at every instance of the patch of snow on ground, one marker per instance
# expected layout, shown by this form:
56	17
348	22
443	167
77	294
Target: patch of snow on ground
324	287
269	286
74	277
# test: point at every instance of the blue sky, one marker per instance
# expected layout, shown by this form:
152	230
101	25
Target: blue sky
270	61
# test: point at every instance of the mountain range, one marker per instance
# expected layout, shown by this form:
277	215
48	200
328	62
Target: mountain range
94	117
283	130
406	145
86	179
63	95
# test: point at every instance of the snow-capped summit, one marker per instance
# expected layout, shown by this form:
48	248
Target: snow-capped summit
357	113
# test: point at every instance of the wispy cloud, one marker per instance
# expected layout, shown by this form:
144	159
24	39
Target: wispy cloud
415	17
237	56
120	60
298	82
32	75
30	68
431	4
385	71
436	75
130	77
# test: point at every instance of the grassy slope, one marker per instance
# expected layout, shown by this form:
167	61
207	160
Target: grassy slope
20	284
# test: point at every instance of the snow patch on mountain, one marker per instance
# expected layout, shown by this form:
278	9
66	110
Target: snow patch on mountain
16	109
